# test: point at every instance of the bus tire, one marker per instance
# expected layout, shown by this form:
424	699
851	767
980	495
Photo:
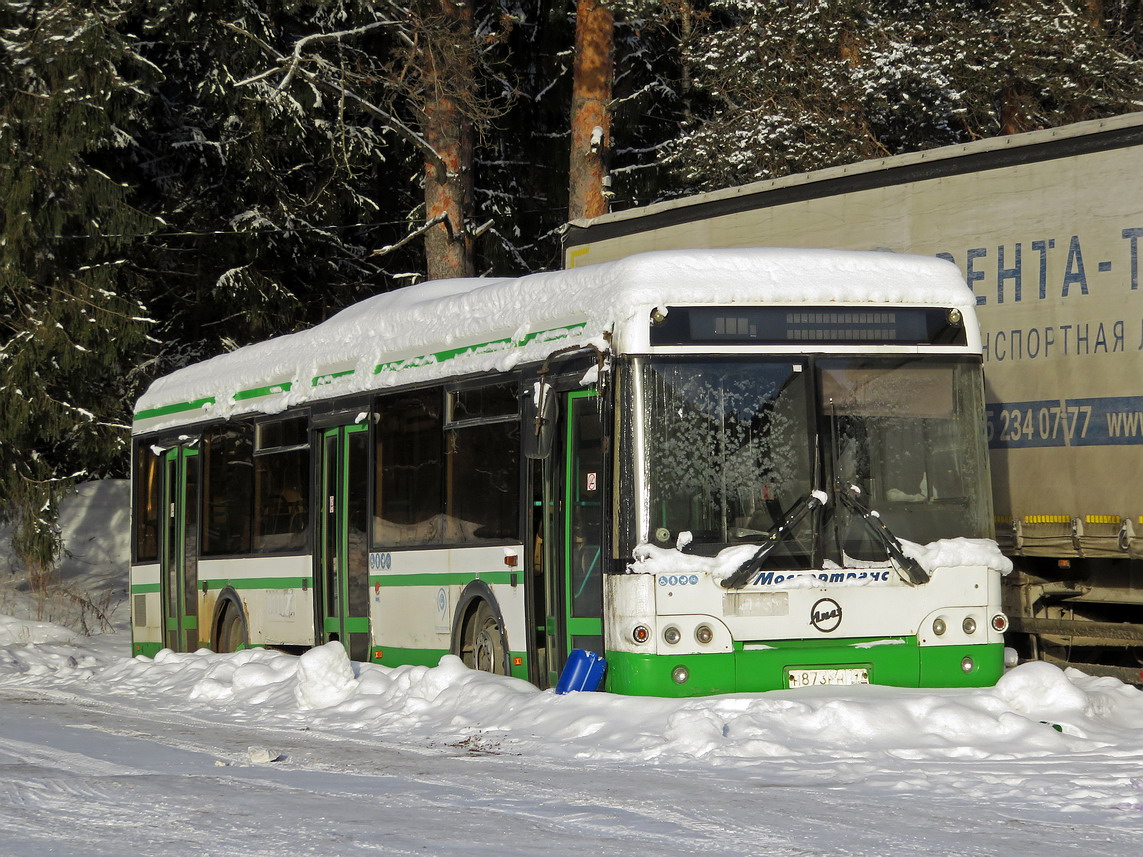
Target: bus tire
489	650
232	632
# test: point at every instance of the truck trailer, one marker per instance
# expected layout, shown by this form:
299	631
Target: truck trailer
1046	227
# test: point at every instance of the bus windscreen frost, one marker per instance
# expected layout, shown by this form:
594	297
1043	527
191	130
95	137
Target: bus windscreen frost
731	445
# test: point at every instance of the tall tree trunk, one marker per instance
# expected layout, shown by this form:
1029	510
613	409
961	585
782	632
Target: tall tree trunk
1095	13
448	183
591	109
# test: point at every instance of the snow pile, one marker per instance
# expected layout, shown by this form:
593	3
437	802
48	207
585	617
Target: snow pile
90	586
14	632
650	559
325	677
95	526
950	553
451	703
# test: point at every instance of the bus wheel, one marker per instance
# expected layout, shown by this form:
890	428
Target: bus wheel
232	632
488	652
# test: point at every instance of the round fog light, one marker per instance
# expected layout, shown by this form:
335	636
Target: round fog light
1000	623
967	665
969	625
938	626
641	634
672	635
680	675
704	634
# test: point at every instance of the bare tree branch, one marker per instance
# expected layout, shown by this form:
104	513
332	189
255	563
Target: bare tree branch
301	44
440	218
291	67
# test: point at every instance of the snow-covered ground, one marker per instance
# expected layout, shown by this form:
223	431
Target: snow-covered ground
261	753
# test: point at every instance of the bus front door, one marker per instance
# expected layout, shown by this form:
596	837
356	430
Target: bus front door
178	558
341	575
572	525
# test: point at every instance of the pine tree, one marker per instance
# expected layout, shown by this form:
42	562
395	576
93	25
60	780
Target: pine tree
273	199
418	71
71	320
792	86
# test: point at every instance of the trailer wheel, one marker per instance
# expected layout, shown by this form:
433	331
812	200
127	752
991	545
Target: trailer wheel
232	636
487	642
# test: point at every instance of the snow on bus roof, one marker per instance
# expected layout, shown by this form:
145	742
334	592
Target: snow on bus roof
446	327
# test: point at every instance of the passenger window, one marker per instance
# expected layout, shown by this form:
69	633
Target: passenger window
281	485
409	470
482	496
146	507
228	489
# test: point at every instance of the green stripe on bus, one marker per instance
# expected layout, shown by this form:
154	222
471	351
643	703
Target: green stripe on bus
394	656
319	380
492	346
260	583
567	331
444	578
177	408
242	583
550	335
258	392
442	356
747	670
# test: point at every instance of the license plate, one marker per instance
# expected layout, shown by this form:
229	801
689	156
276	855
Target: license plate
819	677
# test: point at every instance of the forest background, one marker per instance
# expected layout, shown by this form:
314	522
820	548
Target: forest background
178	179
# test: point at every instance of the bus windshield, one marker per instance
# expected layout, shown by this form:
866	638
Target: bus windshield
730	446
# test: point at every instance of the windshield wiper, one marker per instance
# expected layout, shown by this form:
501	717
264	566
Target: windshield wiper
908	568
774	537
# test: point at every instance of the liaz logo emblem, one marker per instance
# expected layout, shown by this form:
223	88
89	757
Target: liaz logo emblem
825	615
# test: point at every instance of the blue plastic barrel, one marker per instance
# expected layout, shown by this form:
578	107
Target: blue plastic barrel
583	671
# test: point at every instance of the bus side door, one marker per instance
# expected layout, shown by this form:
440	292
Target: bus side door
571	510
341	575
178	557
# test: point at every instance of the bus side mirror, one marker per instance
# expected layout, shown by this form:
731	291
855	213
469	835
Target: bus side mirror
540	409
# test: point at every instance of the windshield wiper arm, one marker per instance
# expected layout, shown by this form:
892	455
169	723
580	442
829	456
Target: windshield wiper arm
774	537
908	568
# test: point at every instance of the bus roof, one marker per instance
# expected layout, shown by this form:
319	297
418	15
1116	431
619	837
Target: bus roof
446	328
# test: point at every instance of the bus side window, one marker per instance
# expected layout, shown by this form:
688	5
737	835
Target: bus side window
482	443
228	489
483	493
146	507
407	502
281	486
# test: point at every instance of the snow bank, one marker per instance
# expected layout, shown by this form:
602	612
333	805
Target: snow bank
91	576
15	632
452	704
325	677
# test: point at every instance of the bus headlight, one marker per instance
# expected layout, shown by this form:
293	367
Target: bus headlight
680	675
641	634
939	626
967	665
704	634
969	625
672	635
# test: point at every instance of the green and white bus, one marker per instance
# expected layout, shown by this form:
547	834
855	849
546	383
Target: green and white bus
724	470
